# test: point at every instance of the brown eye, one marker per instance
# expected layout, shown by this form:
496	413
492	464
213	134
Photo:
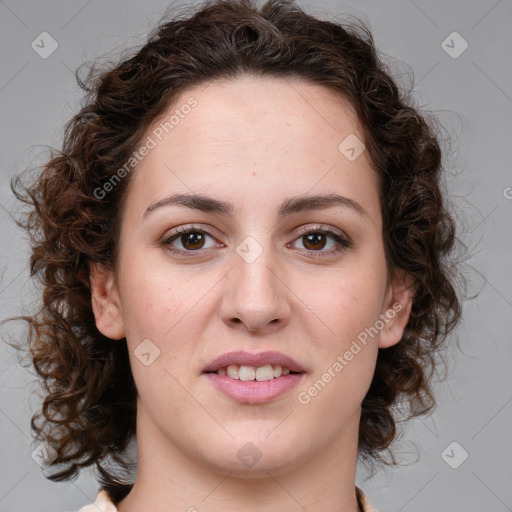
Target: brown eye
193	240
190	239
314	241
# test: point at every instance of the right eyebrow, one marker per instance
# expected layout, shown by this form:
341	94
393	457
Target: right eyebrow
194	201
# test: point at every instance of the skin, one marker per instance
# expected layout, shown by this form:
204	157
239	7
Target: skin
254	142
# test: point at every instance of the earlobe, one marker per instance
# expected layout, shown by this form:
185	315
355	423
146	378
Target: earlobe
398	309
105	302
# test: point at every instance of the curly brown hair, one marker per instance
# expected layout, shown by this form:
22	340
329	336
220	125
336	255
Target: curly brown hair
88	414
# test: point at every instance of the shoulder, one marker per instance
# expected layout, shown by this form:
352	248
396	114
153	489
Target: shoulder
364	502
102	503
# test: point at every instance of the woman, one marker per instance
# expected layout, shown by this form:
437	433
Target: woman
245	254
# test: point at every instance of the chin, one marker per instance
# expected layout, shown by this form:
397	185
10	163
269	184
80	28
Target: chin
254	456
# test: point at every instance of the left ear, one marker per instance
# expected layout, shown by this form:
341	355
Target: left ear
398	306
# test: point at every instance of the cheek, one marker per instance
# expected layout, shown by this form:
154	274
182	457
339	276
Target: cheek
345	358
360	298
347	302
348	308
166	308
153	298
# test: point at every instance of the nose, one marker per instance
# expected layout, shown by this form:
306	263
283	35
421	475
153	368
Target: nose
256	297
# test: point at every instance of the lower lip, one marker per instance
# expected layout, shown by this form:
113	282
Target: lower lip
253	391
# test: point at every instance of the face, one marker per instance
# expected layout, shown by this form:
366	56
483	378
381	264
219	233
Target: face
261	267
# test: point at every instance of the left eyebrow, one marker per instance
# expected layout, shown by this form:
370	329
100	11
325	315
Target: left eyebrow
290	206
319	202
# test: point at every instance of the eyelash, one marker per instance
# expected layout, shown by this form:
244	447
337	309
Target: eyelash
344	242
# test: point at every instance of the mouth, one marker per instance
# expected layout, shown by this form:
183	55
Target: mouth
241	360
252	373
254	378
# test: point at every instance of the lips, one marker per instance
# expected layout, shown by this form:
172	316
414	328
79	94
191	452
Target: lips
243	358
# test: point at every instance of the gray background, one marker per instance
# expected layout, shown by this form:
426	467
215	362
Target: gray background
471	94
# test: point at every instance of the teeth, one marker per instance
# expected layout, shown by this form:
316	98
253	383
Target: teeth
265	373
247	373
232	371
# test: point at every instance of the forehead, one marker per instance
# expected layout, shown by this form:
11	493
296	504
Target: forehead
263	135
258	108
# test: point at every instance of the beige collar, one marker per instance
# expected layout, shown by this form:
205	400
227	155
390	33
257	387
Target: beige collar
103	503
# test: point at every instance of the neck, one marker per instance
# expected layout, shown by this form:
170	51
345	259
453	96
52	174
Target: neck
169	479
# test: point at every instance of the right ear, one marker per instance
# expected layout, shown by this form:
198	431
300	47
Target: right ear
106	305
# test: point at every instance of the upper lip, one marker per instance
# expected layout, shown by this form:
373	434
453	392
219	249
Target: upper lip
242	357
